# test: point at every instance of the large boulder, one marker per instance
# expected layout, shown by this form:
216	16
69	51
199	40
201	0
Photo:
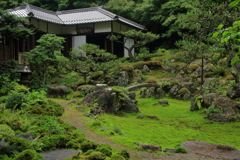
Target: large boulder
110	101
58	91
234	92
208	99
123	78
223	109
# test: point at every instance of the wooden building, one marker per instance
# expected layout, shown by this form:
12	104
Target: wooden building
78	26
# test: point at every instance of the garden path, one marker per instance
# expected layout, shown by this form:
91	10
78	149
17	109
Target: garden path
73	117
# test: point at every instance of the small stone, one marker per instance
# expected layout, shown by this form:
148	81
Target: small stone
169	150
163	102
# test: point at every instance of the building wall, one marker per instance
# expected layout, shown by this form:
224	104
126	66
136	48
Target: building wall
69	29
54	28
102	27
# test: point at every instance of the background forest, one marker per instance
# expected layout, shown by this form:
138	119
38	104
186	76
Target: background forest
172	19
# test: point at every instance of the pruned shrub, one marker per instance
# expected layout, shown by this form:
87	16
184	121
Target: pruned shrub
117	157
6	132
96	156
151	64
29	154
128	68
105	149
54	142
183	91
86	145
15	100
180	149
49	108
151	80
85	89
124	153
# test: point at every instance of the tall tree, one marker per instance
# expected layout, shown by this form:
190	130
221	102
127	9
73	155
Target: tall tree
44	56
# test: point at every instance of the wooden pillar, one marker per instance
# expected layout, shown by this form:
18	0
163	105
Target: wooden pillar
3	43
112	43
11	50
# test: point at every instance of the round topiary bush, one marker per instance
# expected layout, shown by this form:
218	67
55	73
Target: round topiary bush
6	132
96	156
29	154
49	108
15	100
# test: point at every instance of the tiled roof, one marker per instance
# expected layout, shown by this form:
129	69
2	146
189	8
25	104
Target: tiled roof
69	17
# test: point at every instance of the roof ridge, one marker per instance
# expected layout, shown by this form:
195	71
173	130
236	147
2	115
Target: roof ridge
107	13
78	10
38	8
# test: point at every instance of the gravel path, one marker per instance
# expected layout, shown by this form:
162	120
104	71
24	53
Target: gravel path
73	117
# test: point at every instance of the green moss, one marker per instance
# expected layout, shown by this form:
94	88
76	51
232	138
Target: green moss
177	124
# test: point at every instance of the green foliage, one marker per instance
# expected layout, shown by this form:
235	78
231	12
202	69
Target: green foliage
49	108
6	84
15	100
213	109
89	58
105	149
6	132
96	124
54	142
12	26
44	57
179	149
143	55
86	145
85	89
21	88
151	80
96	155
29	154
36	98
124	153
117	157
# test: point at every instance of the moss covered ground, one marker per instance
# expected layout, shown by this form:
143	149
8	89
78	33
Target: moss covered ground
176	124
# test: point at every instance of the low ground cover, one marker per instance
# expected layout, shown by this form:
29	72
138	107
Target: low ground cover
176	124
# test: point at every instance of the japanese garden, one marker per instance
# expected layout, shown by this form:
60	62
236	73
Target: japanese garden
119	79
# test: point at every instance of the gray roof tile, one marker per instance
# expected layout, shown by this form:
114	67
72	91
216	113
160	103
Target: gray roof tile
70	17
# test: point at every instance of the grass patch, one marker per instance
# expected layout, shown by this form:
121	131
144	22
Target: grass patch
176	125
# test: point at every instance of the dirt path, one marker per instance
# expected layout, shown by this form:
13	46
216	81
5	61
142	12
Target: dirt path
73	117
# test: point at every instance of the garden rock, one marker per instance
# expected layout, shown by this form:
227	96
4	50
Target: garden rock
169	150
59	154
3	143
146	69
194	106
223	109
148	117
174	91
191	86
137	80
149	147
58	91
212	150
100	87
163	102
159	93
132	95
123	78
234	92
27	136
109	102
198	72
138	72
208	99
